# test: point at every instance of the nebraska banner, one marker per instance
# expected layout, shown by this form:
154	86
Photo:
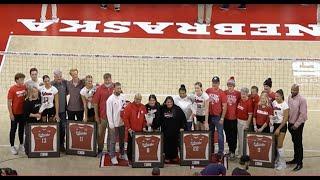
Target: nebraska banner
182	28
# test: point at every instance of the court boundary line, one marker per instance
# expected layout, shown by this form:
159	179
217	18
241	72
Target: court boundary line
4	56
153	38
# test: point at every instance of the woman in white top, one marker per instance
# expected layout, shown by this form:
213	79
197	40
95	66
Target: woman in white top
200	107
49	101
184	102
279	121
87	93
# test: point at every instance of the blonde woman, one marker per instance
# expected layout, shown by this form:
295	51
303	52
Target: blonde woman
262	114
31	110
87	93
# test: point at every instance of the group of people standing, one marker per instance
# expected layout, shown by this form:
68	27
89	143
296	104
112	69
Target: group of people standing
230	111
235	112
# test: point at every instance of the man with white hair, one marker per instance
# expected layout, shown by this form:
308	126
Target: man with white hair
244	116
61	85
134	120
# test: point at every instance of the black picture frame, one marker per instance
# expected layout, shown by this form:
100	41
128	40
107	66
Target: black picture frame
33	144
184	160
262	141
78	151
136	163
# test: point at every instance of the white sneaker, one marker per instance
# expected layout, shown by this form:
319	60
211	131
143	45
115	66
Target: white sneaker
124	157
55	19
21	148
232	156
114	160
42	20
276	163
14	150
281	166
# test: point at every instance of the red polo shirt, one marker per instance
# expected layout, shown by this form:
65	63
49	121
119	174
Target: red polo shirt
100	98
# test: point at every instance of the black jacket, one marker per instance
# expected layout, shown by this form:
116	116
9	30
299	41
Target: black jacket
171	120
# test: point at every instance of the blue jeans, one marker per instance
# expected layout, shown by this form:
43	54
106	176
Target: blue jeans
188	126
112	133
63	126
215	123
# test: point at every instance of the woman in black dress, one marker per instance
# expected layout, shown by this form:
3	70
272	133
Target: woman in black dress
172	121
31	111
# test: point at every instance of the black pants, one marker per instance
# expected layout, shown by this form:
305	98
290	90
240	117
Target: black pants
265	130
73	114
62	127
170	149
18	120
129	147
296	136
231	129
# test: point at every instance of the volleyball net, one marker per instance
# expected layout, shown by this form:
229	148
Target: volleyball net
163	75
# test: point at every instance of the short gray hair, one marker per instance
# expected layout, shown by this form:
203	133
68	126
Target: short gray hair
57	72
245	90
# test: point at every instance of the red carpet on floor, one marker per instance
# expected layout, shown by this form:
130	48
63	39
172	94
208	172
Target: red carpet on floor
105	161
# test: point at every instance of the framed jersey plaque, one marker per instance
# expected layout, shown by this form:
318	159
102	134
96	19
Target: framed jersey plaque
81	138
43	139
195	148
147	149
260	147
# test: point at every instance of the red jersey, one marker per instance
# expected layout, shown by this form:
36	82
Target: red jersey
271	96
123	108
233	99
259	148
81	136
262	114
148	148
43	137
17	94
100	97
195	146
255	99
244	109
134	116
216	99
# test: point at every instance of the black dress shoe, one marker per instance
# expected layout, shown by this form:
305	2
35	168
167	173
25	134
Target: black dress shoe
298	167
291	162
62	149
